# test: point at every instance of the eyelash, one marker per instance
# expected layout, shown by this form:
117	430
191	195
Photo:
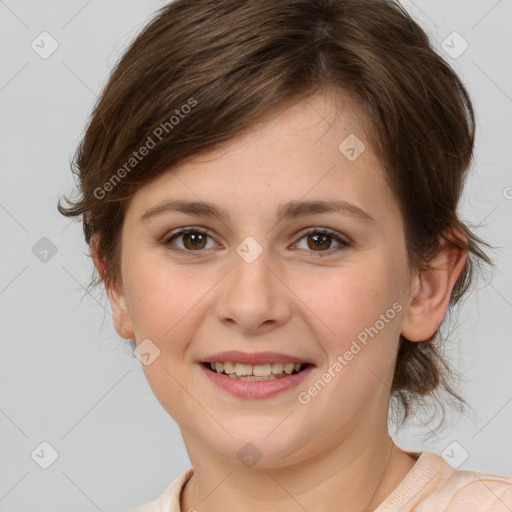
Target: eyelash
344	243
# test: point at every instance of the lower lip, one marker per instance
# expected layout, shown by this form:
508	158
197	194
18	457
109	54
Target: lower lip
256	389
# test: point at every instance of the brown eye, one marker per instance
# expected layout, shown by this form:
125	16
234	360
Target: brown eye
192	239
320	241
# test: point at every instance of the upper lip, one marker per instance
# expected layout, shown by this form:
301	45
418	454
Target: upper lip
255	358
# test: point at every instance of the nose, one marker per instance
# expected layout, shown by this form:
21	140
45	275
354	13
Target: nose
254	297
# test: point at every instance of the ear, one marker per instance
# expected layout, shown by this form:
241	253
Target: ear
432	292
120	311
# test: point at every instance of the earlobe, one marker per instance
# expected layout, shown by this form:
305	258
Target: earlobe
432	293
120	313
120	310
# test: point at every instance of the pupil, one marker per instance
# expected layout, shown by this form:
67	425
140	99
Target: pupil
321	245
194	238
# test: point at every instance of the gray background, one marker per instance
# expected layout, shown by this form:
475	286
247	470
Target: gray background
67	378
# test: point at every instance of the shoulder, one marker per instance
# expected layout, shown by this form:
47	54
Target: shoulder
469	491
169	500
432	484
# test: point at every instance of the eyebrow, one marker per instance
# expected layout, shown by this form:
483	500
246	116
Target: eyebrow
290	210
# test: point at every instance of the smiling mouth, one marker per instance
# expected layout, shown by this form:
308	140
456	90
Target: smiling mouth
248	372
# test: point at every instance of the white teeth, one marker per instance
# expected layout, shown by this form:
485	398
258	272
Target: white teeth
269	371
229	368
252	377
262	370
243	369
277	368
288	368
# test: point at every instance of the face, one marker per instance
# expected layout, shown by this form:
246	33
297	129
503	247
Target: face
327	287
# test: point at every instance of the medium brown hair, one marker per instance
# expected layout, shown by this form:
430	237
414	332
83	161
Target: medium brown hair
202	72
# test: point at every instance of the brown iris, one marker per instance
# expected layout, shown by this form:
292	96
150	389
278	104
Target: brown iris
197	240
322	245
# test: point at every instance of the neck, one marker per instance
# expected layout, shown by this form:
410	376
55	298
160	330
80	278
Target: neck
356	475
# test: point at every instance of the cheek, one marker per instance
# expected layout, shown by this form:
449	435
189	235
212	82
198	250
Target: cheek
346	300
362	307
163	296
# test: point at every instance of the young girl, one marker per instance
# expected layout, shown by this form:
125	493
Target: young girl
269	190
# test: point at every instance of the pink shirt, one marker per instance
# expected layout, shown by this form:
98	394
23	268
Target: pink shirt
432	485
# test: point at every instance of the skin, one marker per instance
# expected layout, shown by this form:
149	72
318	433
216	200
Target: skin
336	449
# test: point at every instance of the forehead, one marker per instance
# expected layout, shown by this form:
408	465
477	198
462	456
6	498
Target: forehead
309	126
313	149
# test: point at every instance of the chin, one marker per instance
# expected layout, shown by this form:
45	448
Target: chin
264	447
